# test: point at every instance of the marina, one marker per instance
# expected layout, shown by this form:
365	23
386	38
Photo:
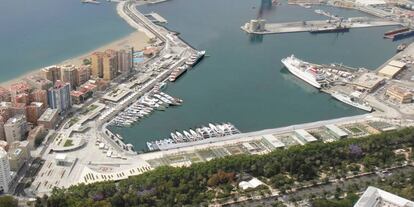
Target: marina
200	133
232	75
143	107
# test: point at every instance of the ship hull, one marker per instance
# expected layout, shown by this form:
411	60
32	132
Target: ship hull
292	69
348	102
335	30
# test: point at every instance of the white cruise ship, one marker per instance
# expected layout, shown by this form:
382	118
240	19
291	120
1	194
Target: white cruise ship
305	71
351	101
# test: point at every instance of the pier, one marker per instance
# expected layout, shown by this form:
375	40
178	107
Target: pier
308	26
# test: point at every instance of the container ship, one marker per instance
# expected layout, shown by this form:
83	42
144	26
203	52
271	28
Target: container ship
351	101
195	58
305	71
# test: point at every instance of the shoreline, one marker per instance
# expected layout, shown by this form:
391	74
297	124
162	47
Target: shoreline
136	39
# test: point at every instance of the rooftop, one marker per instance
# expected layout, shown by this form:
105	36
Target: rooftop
76	93
389	70
16	119
375	197
368	80
48	114
399	90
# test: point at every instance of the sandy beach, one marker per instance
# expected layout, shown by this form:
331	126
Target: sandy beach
138	40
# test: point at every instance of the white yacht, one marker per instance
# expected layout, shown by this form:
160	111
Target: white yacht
351	101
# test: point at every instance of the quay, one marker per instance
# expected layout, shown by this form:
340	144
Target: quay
264	28
397	57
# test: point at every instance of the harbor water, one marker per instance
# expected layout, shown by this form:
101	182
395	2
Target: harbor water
242	80
39	33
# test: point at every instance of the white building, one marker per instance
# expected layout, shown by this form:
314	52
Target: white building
5	177
253	183
15	128
374	197
303	137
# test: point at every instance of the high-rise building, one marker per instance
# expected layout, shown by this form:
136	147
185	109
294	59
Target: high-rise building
15	128
110	65
51	73
97	65
83	74
59	96
2	134
124	61
34	111
19	88
39	96
22	98
49	118
18	109
4	94
39	82
68	73
5	177
6	110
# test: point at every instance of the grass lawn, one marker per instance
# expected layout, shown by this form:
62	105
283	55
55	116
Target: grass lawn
68	143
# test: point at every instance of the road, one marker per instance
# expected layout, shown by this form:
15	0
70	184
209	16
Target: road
360	181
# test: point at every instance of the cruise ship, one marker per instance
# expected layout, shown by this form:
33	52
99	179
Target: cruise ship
351	101
194	59
305	71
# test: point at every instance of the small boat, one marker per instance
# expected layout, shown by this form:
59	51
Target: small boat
401	47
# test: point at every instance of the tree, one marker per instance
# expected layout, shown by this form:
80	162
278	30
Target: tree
8	201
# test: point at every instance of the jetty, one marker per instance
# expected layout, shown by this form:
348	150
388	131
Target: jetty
263	28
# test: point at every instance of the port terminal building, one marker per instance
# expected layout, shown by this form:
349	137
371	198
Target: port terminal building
336	131
273	142
391	69
303	137
368	82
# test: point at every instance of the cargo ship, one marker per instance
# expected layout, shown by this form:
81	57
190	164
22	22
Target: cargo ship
403	35
305	71
396	31
333	29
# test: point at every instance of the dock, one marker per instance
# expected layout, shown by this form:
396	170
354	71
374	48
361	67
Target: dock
308	26
398	56
156	18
